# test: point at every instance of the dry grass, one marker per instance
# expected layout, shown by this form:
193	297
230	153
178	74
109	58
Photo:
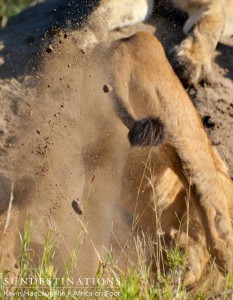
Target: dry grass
156	273
140	281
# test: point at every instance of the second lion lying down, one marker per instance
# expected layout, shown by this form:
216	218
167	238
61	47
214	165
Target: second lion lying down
207	21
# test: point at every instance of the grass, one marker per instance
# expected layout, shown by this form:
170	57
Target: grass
9	8
140	281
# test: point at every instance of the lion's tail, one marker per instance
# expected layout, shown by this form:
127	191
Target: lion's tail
144	132
147	132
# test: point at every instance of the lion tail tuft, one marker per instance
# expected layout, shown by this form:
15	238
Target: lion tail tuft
147	132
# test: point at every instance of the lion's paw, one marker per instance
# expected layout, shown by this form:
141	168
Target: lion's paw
192	276
195	264
192	61
223	256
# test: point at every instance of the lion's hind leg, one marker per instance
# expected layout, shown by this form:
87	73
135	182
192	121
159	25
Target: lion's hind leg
180	220
202	178
191	240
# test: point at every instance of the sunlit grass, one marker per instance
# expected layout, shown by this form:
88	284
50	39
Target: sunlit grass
9	8
140	281
12	7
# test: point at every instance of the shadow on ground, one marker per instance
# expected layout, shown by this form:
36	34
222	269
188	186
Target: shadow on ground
38	25
225	59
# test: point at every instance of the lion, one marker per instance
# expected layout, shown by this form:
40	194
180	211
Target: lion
207	21
153	105
74	147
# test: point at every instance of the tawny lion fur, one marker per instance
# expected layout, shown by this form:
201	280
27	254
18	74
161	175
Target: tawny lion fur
144	85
